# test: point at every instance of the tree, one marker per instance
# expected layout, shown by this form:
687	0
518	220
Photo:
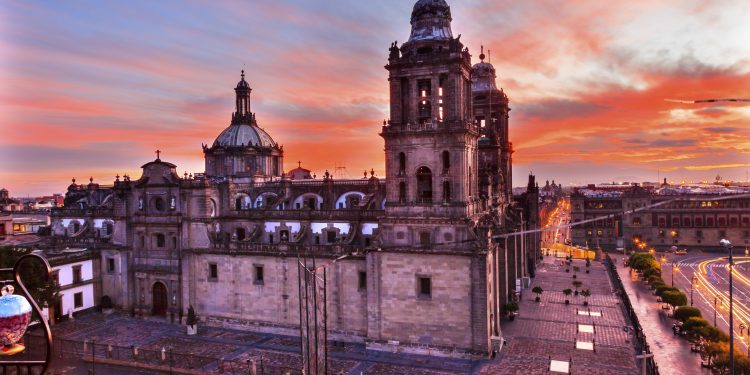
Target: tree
577	284
586	293
714	349
711	333
567	293
575	271
538	291
683	313
674	298
655	279
43	291
693	327
510	309
660	290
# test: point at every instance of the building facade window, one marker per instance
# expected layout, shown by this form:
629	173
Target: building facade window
424	287
259	276
161	240
111	265
401	163
424	185
213	272
78	300
362	280
77	278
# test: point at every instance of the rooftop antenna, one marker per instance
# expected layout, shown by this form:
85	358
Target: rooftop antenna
340	172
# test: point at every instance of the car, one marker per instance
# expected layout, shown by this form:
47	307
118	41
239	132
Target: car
681	252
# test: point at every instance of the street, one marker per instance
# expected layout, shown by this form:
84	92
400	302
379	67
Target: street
711	289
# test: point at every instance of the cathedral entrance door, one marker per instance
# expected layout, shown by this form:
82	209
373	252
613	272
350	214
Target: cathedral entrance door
159	303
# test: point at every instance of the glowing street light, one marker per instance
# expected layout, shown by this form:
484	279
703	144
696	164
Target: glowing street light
728	245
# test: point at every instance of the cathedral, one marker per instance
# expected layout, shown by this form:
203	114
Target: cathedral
423	260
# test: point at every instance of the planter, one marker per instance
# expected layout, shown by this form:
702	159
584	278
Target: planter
567	302
567	270
585	303
587	271
576	292
538	299
192	330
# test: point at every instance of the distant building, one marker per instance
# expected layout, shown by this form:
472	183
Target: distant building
695	217
76	272
9	204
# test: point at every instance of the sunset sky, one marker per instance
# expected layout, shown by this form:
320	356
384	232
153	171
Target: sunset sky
92	88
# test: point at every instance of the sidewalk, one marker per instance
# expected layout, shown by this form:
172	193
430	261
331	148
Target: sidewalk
550	329
671	352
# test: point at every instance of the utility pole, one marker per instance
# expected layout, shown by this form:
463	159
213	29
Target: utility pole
728	245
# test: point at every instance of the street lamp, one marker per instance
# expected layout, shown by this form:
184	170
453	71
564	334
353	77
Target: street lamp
728	245
674	268
692	282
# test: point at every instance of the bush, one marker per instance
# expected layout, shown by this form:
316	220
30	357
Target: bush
660	290
711	333
655	279
674	298
567	292
684	313
537	290
192	318
642	261
693	328
105	302
651	272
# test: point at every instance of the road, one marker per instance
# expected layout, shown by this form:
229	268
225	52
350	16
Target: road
559	216
709	275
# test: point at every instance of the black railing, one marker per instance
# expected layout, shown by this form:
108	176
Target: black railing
641	346
163	359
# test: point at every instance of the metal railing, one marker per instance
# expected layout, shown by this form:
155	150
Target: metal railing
163	359
641	346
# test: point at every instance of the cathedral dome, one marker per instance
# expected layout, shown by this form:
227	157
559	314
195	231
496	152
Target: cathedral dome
483	77
243	135
431	20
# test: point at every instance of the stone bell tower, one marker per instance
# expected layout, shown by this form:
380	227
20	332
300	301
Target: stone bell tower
429	262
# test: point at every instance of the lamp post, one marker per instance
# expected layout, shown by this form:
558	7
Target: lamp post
692	281
675	268
728	245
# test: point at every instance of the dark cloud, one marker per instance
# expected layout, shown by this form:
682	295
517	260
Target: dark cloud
672	143
722	129
25	158
558	109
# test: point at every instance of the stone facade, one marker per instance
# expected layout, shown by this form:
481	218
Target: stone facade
693	218
410	259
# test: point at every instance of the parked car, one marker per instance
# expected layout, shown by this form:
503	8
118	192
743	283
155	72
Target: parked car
681	252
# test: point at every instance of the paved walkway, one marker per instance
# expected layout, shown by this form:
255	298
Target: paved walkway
219	350
549	330
672	353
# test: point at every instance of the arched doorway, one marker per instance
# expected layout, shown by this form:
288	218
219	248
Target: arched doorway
424	185
159	302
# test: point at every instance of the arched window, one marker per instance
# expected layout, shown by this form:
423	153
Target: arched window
238	203
402	192
424	185
108	228
446	161
401	163
159	204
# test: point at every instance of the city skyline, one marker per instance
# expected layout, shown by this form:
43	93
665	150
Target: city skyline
94	90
